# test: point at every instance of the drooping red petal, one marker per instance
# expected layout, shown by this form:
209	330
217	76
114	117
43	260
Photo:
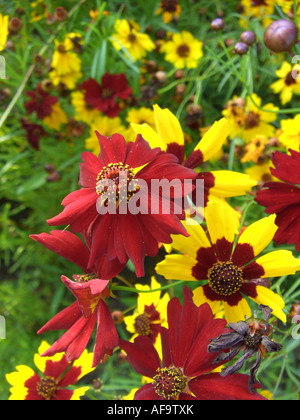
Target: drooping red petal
63	320
214	387
140	153
67	245
146	366
89	170
113	150
146	393
287	167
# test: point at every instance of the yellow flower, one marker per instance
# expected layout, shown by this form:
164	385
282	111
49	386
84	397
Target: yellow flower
4	20
290	133
150	314
229	264
128	36
40	10
247	120
259	9
183	50
287	6
56	118
142	115
288	83
83	111
54	381
170	9
106	126
261	173
255	149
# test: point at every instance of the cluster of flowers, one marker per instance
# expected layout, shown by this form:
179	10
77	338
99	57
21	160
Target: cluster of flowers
222	257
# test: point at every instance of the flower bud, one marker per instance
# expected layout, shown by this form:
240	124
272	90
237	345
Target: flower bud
248	37
217	24
241	48
60	14
15	25
281	36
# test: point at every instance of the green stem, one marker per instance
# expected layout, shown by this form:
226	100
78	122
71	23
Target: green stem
131	289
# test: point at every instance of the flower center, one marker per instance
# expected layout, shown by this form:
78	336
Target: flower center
114	180
225	278
169	382
142	324
252	120
253	341
107	93
47	387
169	5
183	50
84	278
290	79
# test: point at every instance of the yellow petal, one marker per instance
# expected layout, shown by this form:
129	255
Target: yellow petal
279	263
237	313
17	380
199	299
149	135
85	361
267	297
79	392
168	127
219	222
259	234
213	139
177	267
231	184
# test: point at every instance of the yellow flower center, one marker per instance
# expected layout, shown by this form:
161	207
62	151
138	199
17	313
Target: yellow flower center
46	388
169	382
225	278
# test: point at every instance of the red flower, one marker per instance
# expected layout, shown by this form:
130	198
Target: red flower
90	307
283	198
121	234
41	102
34	133
104	97
185	371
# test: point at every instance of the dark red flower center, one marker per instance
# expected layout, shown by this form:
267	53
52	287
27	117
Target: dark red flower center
142	324
183	50
107	93
46	388
290	79
225	278
253	341
169	5
131	37
169	382
252	120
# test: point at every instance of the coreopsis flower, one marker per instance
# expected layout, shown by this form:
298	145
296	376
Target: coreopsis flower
170	9
34	132
288	83
289	136
4	22
56	118
229	265
261	172
247	121
106	205
183	50
105	96
41	102
252	337
185	371
262	9
169	136
90	306
150	313
283	198
55	380
128	36
39	11
255	149
109	126
65	64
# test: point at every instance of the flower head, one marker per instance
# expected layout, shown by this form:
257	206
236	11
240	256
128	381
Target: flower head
54	380
253	337
183	50
230	271
283	198
128	36
169	9
288	83
105	97
259	8
289	136
41	102
106	206
185	371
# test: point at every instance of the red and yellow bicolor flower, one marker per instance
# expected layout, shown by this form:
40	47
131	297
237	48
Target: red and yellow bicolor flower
55	380
228	266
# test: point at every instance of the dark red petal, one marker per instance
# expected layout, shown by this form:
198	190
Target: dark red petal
31	385
177	150
232	300
287	167
63	395
214	387
278	196
63	320
56	369
71	377
67	245
253	271
136	352
288	222
113	150
140	153
243	254
107	336
146	392
223	249
195	159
